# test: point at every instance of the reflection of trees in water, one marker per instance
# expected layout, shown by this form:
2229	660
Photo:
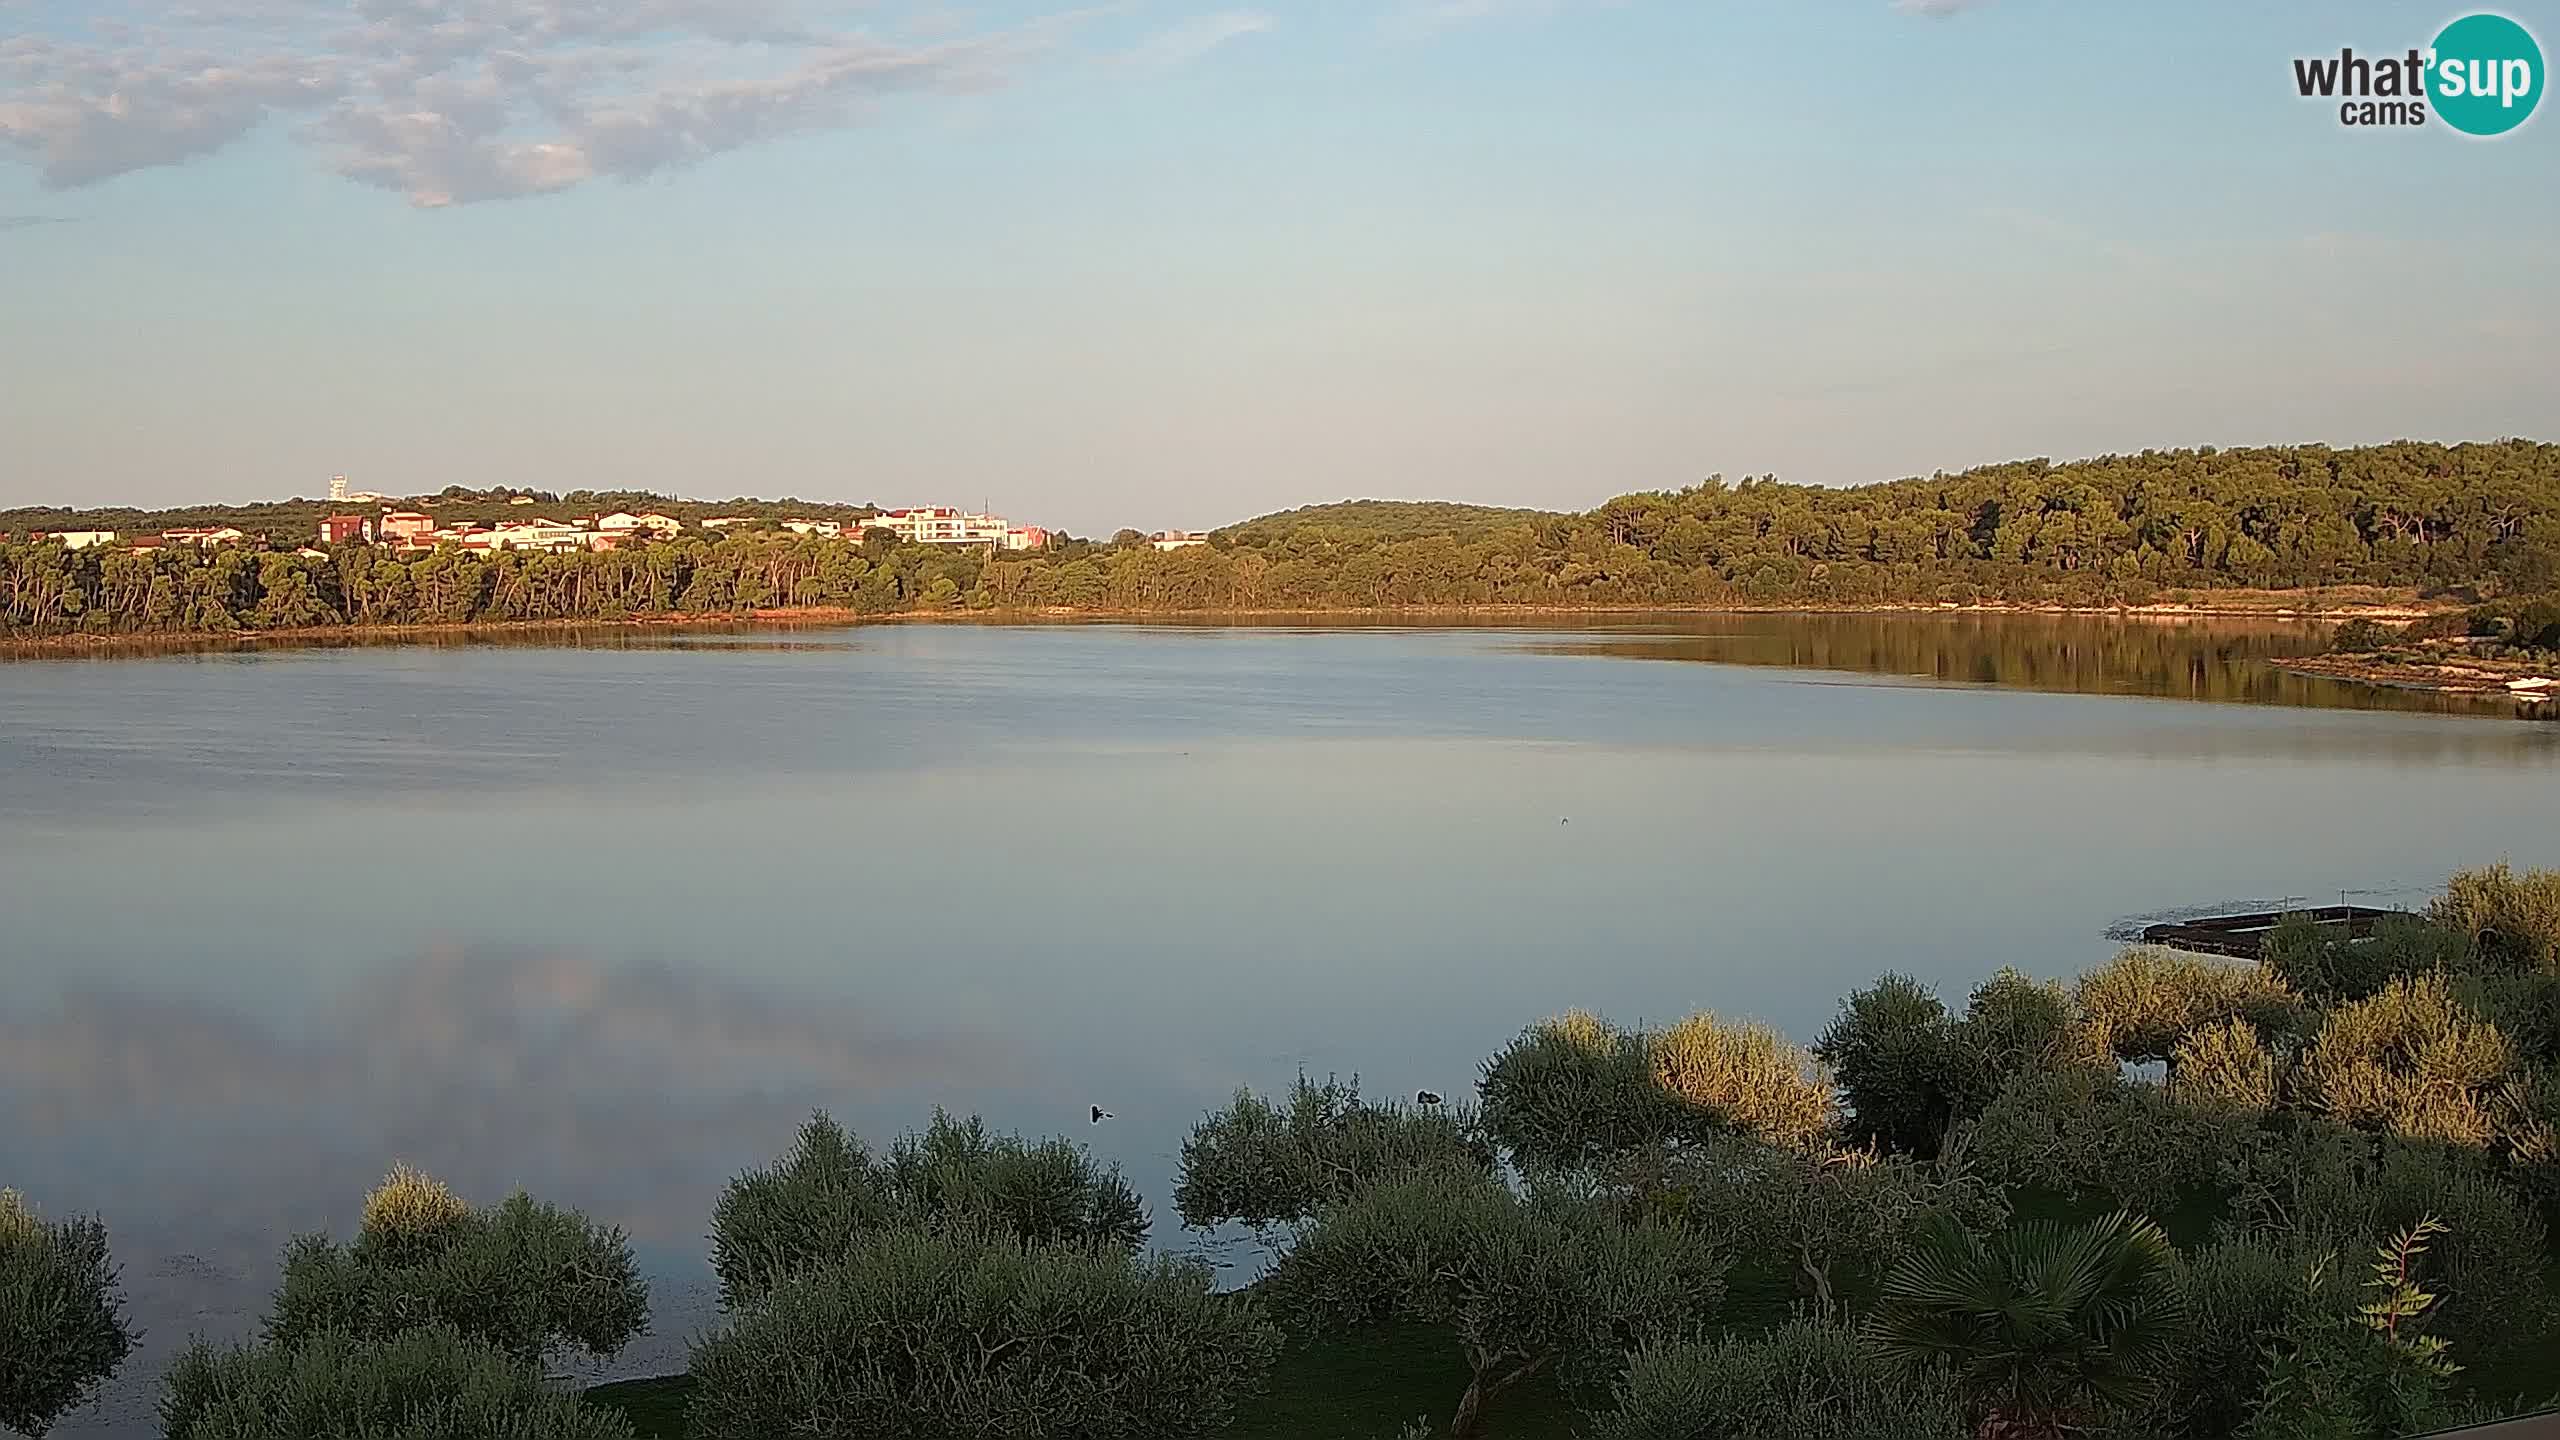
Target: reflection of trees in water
2193	660
632	1091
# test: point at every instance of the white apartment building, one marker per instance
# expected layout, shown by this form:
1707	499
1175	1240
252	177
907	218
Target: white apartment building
941	525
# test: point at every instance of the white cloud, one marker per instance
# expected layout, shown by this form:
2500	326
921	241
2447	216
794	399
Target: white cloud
1938	9
1188	40
452	101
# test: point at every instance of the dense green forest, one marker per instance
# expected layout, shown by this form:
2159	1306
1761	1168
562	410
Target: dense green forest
2302	1197
2475	519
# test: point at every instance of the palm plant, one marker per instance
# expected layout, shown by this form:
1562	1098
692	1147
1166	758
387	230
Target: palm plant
2048	1327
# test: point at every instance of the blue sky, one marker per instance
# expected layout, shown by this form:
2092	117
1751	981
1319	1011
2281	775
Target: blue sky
1163	263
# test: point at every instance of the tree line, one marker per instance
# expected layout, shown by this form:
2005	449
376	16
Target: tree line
2479	519
2181	1198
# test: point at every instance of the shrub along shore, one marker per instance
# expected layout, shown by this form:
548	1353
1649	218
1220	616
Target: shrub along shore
2179	1197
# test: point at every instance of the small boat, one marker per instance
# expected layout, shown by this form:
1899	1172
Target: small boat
2538	682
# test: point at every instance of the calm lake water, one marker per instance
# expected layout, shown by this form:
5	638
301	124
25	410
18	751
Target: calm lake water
606	920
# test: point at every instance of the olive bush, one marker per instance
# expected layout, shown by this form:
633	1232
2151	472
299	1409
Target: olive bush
1902	1069
523	1277
935	1334
2092	1132
1259	1164
2142	1003
810	1207
2015	1023
431	1382
1573	1091
1548	1282
1803	1378
2513	919
62	1315
1831	1215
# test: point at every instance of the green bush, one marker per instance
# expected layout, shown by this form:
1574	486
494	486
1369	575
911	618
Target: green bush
2345	1190
428	1383
1525	1285
1260	1164
62	1317
917	1334
521	1278
809	1208
2241	1293
2091	1132
2013	1024
1046	1193
2372	1370
1903	1072
2361	637
2524	1005
2513	919
1574	1091
1833	1216
2145	1001
2314	963
1802	1379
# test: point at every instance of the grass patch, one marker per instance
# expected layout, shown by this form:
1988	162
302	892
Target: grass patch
1348	1387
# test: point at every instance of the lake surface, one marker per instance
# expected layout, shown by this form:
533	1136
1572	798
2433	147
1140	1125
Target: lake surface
606	920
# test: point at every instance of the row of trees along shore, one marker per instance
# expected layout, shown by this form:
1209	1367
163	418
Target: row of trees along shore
2292	1199
2481	518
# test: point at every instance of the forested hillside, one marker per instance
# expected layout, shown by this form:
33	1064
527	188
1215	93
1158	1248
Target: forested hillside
2478	519
1386	520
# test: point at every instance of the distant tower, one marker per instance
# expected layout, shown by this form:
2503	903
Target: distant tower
338	489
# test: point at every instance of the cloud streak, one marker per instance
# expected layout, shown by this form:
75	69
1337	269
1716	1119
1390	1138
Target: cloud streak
1187	41
1938	9
449	103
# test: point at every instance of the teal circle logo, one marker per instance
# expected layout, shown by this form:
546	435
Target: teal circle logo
2484	75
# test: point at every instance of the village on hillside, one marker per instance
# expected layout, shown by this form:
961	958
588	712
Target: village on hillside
390	523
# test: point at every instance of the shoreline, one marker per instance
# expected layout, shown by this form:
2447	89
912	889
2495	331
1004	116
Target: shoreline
2260	606
2482	679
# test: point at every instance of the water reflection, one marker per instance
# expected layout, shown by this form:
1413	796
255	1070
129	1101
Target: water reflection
207	1135
693	895
2186	659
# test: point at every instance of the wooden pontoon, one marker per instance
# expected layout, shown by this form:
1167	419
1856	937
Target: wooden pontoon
2241	935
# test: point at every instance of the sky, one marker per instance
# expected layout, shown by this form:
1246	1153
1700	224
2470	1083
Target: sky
1171	263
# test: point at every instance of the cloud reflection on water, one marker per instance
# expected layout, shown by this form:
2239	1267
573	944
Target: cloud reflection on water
206	1136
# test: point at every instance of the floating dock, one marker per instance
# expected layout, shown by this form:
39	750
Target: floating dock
2241	935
